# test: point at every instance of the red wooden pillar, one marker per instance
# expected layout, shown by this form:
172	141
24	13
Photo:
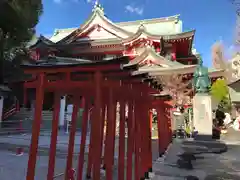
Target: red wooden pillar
97	125
149	136
90	152
143	138
121	156
110	139
146	141
25	96
169	121
72	137
165	129
137	137
106	142
161	133
83	138
150	119
36	128
53	145
102	139
130	140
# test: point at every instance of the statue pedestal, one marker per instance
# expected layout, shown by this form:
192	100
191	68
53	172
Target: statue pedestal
202	116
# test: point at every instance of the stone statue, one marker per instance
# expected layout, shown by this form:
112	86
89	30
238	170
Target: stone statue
201	80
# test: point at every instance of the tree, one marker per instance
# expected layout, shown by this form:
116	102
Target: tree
220	94
18	19
178	87
219	61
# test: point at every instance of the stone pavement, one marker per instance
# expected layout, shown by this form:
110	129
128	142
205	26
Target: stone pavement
209	167
11	142
12	163
15	167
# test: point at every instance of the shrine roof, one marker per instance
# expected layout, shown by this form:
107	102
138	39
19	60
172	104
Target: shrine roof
40	40
62	62
143	33
149	53
181	69
158	26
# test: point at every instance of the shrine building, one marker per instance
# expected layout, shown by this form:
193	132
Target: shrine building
159	46
99	64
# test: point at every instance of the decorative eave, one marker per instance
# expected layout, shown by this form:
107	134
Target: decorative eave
183	69
149	53
97	12
143	34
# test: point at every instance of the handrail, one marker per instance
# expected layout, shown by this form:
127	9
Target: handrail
12	110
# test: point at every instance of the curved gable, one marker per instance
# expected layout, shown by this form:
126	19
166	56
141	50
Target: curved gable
97	18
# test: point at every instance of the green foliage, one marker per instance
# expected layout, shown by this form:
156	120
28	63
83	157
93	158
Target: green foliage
18	19
219	90
220	94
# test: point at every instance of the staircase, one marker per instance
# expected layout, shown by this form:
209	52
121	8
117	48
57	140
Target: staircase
23	120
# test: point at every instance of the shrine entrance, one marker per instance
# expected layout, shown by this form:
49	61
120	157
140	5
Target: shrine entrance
102	85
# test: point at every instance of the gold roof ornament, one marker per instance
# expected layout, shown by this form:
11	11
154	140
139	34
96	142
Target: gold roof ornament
98	6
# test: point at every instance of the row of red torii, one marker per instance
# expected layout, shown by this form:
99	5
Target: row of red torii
107	82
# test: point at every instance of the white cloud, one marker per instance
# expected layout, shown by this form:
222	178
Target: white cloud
134	9
57	1
89	1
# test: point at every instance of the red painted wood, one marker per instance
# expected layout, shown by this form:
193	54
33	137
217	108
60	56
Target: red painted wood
110	136
141	133
164	131
90	152
159	113
25	97
35	129
90	68
130	140
104	110
85	105
150	118
97	123
121	151
76	104
137	143
106	140
54	134
144	139
149	130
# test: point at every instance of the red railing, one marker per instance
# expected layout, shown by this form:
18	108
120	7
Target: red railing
11	111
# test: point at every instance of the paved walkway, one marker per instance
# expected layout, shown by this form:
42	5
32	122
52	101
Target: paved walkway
209	167
11	163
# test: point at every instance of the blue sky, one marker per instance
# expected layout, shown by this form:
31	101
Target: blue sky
213	19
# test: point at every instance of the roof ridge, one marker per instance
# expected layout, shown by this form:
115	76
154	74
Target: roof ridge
144	21
150	20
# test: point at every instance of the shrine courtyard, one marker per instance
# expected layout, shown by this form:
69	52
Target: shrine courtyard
163	167
9	145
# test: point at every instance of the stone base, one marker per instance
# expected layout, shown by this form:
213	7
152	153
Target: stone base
200	137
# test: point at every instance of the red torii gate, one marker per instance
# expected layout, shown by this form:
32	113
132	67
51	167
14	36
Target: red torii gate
108	82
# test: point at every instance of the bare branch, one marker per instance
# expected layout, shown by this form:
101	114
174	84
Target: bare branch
218	60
